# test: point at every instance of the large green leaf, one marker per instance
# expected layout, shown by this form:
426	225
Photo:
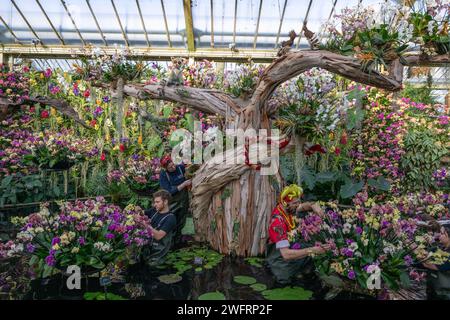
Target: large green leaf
189	122
167	111
153	142
96	263
354	117
308	177
348	190
102	296
326	176
287	293
175	138
244	280
381	183
170	278
258	286
405	280
212	296
6	181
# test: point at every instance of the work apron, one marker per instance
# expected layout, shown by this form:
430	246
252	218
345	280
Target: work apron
179	205
155	253
284	270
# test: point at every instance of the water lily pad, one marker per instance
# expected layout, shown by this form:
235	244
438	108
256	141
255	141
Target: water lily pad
199	269
258	286
212	296
244	280
101	296
254	261
170	278
287	293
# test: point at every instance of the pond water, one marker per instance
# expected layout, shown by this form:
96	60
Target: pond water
141	282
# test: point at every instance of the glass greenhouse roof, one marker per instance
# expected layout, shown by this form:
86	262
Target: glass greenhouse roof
48	31
258	24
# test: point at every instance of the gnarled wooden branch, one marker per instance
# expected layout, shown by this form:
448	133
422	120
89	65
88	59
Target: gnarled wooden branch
296	62
61	105
205	100
426	61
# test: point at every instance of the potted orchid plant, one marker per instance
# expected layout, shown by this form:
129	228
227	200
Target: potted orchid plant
89	234
372	247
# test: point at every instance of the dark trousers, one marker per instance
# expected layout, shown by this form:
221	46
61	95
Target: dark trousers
180	208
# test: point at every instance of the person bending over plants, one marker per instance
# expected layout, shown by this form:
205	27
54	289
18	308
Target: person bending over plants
172	178
285	258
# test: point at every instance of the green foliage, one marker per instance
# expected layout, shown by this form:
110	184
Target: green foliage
376	46
424	151
422	94
97	184
26	189
225	194
380	183
355	117
351	188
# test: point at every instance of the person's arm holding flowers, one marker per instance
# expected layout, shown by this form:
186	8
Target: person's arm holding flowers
444	240
283	222
292	254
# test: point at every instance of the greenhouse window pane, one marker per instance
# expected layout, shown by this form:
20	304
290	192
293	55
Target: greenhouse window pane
201	16
223	22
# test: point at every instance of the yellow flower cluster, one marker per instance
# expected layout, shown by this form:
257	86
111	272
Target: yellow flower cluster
337	266
372	221
438	257
67	238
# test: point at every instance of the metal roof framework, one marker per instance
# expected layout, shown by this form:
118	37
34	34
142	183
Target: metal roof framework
196	28
53	33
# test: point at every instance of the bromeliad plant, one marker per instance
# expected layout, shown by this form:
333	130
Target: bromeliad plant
88	234
368	244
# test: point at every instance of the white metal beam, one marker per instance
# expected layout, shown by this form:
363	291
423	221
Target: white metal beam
145	53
